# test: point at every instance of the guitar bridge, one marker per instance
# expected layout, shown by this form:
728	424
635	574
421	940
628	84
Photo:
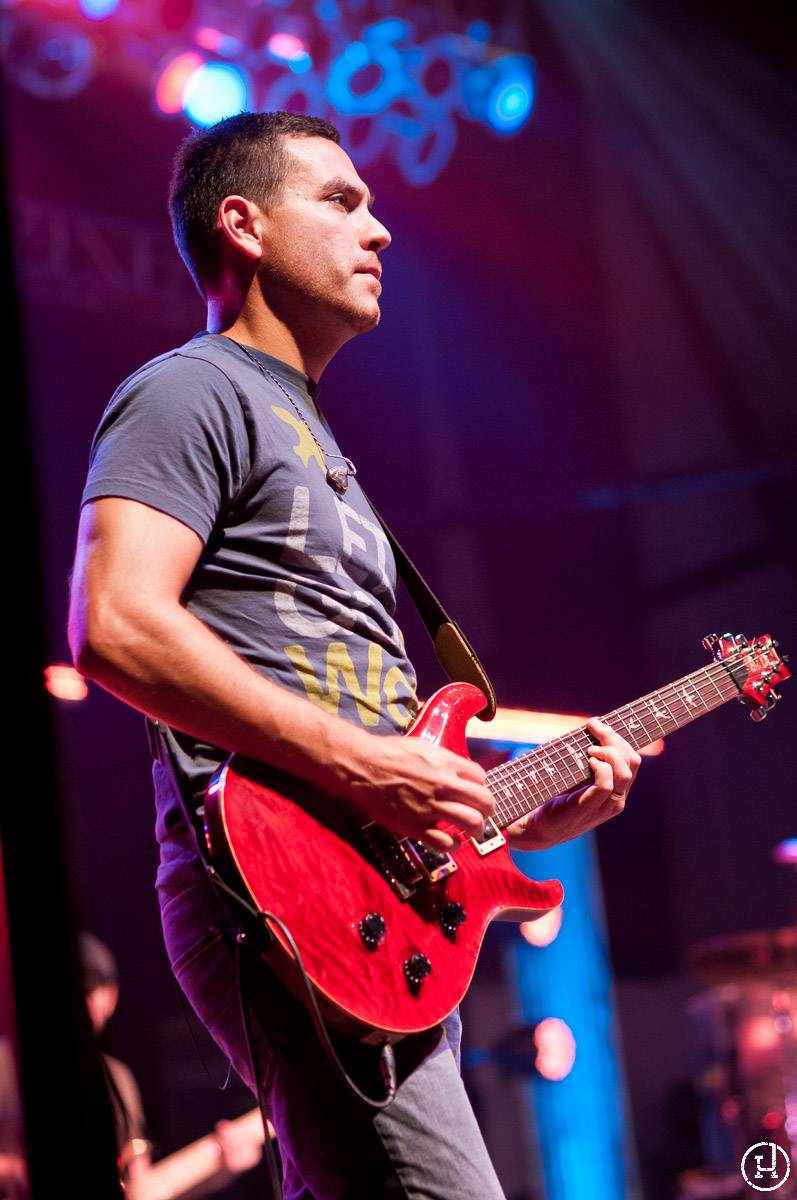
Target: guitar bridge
435	864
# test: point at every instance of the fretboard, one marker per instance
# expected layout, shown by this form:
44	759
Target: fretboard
562	764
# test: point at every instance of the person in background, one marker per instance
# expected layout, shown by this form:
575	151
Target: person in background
237	1146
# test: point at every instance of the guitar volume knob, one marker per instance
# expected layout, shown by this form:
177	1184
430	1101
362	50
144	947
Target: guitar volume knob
416	970
451	916
372	929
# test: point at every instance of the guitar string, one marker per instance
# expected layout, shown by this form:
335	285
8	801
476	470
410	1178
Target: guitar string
506	776
634	710
513	806
556	758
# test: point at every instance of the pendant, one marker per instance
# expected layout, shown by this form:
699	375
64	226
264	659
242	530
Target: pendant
338	479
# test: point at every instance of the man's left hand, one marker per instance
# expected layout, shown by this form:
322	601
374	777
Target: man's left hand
614	766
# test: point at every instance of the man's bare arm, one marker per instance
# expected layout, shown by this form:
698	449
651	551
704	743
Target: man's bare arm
129	631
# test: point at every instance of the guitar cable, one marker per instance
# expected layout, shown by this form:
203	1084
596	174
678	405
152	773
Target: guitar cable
387	1059
262	1103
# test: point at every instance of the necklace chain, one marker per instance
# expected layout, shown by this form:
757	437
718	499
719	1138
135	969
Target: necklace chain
337	477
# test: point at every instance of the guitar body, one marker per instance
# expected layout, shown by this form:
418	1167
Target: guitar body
305	858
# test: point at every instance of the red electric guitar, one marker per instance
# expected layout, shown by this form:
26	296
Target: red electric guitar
388	930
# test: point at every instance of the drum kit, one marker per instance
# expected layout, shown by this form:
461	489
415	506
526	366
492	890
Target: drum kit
744	1028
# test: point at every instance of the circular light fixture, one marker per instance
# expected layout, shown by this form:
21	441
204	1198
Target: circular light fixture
172	80
98	10
214	91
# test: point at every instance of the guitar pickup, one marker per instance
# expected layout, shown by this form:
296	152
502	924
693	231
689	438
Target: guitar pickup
490	840
434	864
391	858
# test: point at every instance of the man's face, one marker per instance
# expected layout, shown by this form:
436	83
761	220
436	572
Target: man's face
321	255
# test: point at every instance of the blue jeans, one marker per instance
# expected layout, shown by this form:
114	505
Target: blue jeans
425	1146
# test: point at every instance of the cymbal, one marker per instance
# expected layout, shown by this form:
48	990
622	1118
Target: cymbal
765	956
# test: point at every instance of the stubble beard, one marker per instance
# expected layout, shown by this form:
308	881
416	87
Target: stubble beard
313	304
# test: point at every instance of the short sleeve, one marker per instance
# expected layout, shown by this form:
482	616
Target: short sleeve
174	438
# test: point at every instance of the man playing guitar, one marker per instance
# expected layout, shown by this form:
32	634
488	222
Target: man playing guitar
232	582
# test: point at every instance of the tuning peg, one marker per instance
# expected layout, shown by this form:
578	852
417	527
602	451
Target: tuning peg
758	714
710	642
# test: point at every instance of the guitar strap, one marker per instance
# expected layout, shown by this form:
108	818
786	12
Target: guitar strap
454	652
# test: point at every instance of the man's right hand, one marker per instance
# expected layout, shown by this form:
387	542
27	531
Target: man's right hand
410	785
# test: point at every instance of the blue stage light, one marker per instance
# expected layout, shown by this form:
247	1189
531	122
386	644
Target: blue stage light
393	87
98	10
500	93
290	49
356	53
326	10
510	104
54	62
378	49
479	31
214	91
300	64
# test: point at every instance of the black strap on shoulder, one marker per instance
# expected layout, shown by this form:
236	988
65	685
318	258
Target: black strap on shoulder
454	652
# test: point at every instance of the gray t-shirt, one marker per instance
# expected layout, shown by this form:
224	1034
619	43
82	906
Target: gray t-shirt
297	580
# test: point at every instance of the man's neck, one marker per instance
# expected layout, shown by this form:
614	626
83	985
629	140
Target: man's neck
262	330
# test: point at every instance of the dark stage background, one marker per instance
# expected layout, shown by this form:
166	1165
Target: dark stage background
577	413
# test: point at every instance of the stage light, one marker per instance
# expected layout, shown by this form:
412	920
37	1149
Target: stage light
479	31
758	1035
511	97
52	62
98	10
556	1049
377	49
65	682
219	43
326	10
509	105
287	48
173	78
543	931
501	93
357	54
398	86
214	91
300	64
786	851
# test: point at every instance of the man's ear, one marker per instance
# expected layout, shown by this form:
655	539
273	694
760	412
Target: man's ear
242	223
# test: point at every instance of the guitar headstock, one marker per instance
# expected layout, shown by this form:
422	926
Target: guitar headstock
756	668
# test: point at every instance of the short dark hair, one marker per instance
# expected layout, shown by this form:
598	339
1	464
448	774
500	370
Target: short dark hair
242	155
97	963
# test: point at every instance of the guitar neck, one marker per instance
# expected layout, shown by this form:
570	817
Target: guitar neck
561	765
194	1165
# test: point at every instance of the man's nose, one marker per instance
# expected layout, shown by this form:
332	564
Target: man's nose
376	236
